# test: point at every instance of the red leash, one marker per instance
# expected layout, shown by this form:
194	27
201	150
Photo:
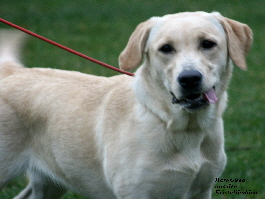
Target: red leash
66	48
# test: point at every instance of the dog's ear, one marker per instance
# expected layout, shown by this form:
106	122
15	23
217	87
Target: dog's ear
132	55
239	39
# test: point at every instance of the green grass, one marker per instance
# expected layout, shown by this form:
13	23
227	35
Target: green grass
100	29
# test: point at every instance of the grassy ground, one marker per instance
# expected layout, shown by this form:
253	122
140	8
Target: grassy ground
101	29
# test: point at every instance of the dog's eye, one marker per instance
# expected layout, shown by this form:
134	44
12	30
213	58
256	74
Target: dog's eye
206	44
166	49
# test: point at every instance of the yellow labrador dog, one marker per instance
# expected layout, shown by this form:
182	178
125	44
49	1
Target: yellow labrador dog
156	135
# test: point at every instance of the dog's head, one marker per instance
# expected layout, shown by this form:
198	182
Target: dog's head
189	54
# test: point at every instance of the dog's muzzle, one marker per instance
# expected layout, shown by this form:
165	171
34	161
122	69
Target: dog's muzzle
193	96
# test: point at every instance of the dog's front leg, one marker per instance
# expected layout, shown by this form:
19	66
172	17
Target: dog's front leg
206	194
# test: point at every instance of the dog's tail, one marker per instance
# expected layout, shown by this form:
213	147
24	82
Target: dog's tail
10	45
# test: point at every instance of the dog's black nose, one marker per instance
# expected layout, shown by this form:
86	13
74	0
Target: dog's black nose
190	79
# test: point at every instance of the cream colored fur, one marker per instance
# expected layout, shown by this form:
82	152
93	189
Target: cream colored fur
121	137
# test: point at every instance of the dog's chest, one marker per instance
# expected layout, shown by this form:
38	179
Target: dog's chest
174	177
181	170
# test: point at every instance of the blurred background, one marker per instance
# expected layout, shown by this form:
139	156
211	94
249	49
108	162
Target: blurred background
100	29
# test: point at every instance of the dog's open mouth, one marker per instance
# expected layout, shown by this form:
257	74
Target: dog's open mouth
196	101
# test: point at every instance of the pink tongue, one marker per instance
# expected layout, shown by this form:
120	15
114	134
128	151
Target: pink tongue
211	96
